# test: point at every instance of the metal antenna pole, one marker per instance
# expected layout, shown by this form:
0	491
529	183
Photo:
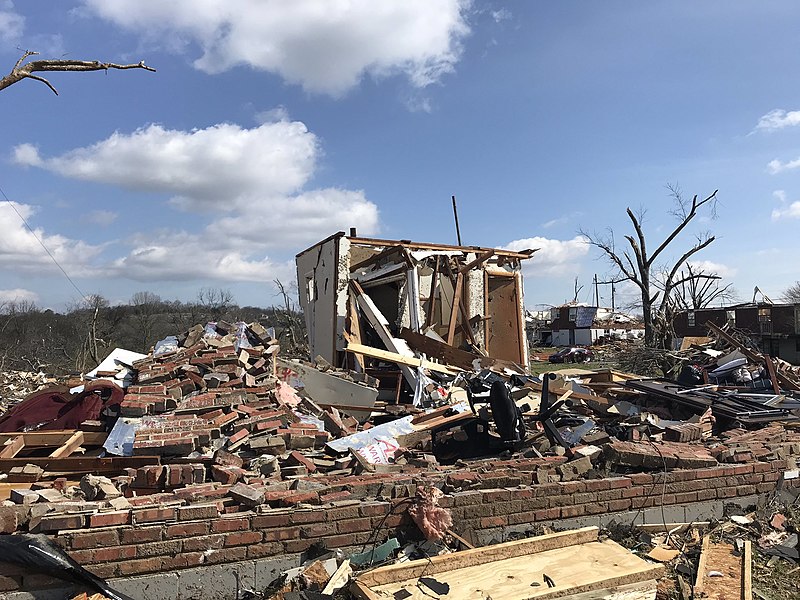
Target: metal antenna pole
455	214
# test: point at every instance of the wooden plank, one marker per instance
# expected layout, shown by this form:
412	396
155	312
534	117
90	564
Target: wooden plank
44	439
425	246
747	571
588	570
432	297
68	447
354	335
773	376
451	328
361	591
13	447
478	556
719	558
381	326
80	464
482	258
449	355
399	359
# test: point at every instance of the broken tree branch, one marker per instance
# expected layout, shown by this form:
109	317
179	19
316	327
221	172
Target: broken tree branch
23	70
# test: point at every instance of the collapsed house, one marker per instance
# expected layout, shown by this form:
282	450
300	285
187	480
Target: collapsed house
215	467
584	325
402	297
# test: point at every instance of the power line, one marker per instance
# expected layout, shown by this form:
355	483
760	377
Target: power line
41	243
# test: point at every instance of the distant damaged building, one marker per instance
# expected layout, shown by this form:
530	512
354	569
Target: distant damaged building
403	296
583	325
775	327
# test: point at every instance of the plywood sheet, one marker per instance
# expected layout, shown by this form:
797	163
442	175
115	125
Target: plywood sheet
574	569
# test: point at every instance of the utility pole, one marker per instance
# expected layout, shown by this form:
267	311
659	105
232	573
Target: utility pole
455	214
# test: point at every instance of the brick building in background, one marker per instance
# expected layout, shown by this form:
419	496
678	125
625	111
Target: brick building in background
775	327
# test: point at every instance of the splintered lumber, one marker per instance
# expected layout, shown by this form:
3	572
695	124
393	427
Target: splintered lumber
451	329
68	447
721	575
13	447
449	355
46	439
578	564
400	359
381	327
80	464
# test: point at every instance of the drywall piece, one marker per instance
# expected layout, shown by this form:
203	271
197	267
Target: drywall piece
329	390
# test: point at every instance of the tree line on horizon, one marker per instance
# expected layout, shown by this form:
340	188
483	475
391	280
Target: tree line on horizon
75	341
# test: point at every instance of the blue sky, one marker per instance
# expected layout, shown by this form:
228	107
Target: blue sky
270	125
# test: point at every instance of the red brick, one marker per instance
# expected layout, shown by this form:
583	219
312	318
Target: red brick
109	519
203	543
142	565
300	498
243	538
292	546
264	550
58	522
307	516
279	535
113	553
572	511
318	530
230	524
190	513
139	535
353	525
150	515
96	539
187	529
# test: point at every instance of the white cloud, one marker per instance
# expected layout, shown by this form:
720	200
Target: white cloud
12	24
218	168
17	295
250	182
776	166
101	217
786	210
279	113
553	257
709	267
554	222
21	250
324	45
778	119
501	15
164	258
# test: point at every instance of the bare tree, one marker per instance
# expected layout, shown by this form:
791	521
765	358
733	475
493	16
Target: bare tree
294	326
576	291
639	266
792	294
698	289
25	70
215	300
89	354
146	307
